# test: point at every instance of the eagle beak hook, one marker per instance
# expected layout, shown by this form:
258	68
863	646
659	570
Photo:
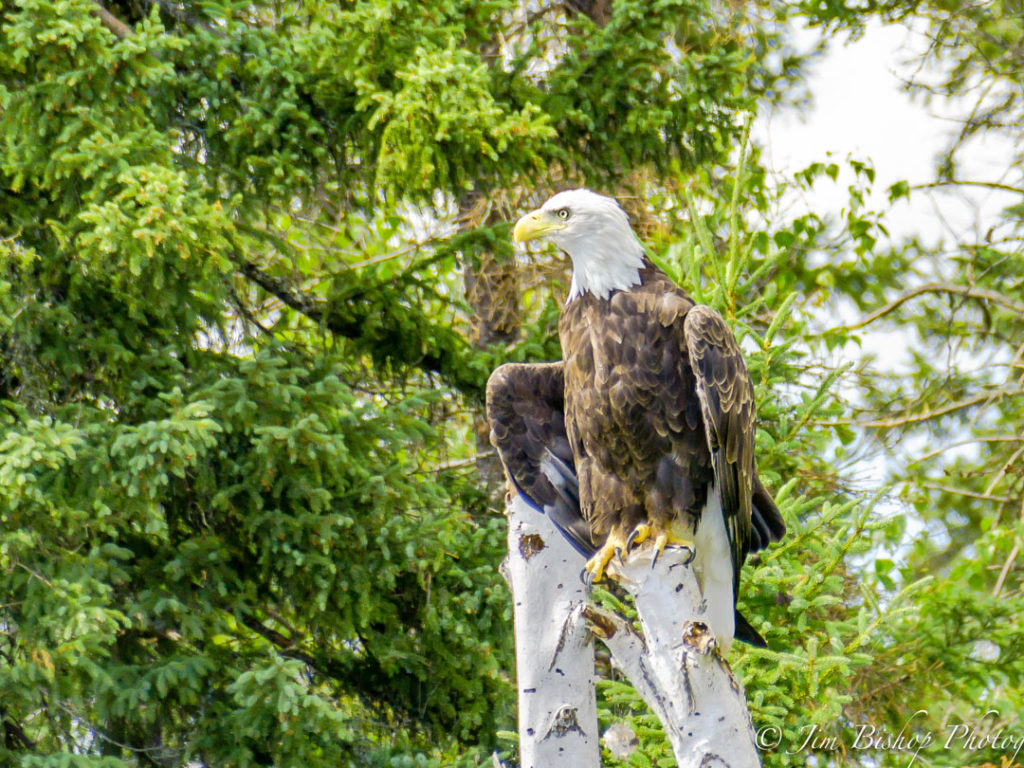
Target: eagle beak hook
528	227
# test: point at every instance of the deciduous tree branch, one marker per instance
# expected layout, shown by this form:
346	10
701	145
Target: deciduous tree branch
702	706
957	290
1010	559
917	418
981	439
675	664
958	183
554	652
969	494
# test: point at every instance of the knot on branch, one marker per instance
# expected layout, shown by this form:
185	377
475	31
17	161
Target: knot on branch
530	544
564	722
697	637
599	623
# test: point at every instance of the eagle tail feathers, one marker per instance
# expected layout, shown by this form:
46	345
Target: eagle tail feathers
746	633
766	523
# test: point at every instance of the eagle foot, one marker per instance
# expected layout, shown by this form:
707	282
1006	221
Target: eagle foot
613	547
663	537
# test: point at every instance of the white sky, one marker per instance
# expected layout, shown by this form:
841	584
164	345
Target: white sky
860	110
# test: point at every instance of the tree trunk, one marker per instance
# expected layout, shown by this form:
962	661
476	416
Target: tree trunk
554	648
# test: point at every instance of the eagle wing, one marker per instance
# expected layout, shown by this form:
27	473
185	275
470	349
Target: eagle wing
526	412
727	404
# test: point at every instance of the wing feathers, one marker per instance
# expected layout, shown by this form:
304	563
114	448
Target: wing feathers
727	405
766	518
525	409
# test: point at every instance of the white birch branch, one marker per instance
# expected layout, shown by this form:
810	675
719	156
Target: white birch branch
677	666
554	648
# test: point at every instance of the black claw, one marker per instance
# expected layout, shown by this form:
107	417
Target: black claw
631	539
618	552
587	577
687	561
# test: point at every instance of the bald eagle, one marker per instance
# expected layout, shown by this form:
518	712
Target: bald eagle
646	429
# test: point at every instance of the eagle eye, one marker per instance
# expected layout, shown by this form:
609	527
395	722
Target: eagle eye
562	213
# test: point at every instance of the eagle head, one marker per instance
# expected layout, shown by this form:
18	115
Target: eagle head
594	230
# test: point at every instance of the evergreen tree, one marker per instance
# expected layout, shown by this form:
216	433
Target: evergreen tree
240	518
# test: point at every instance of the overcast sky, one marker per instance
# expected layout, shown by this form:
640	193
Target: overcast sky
860	110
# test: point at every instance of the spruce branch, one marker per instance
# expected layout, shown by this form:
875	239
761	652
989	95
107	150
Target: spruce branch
111	22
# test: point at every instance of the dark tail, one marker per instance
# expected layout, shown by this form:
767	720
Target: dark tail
766	524
747	633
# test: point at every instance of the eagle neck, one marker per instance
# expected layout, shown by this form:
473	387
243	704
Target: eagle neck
603	265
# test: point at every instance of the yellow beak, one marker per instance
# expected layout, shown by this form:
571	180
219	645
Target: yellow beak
533	225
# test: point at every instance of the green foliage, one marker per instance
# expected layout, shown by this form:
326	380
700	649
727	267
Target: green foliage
946	418
224	556
240	523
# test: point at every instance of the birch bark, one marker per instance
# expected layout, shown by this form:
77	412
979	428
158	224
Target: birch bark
554	648
674	663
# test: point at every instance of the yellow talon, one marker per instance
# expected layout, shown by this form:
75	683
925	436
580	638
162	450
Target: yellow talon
663	537
617	544
613	546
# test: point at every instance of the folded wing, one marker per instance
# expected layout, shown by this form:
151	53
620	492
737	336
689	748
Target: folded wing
526	411
726	397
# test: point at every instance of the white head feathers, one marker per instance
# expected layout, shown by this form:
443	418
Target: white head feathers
594	230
